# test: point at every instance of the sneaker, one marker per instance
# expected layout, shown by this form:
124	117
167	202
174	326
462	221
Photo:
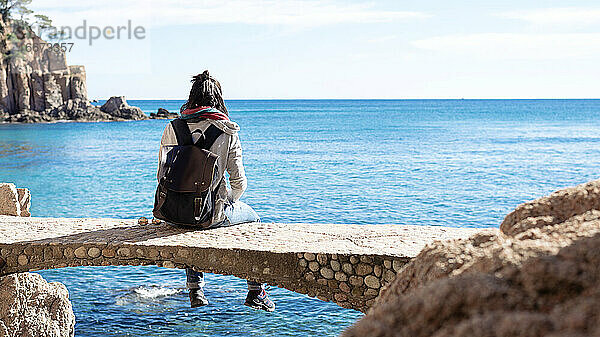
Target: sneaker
259	300
197	298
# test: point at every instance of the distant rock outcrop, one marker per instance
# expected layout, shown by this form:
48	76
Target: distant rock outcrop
37	85
538	276
117	106
30	306
163	113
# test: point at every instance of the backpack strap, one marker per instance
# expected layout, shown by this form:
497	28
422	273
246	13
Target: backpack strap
209	137
182	132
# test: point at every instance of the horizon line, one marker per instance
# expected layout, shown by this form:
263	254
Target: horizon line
361	99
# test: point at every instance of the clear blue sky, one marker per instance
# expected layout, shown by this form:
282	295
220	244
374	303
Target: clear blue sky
341	49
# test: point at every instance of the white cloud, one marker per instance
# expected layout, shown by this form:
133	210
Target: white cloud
516	46
260	12
549	16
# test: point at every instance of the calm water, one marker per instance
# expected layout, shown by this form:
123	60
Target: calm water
463	163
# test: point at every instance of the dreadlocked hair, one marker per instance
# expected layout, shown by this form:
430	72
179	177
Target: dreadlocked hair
206	91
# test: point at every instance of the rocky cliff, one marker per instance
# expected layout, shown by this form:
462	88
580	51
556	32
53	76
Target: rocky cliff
37	85
538	276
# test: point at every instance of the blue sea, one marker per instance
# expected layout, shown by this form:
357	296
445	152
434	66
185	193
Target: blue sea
459	163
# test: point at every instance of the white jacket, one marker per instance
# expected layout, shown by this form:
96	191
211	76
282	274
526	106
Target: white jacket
227	147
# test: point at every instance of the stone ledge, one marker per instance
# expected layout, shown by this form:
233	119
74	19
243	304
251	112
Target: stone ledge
345	264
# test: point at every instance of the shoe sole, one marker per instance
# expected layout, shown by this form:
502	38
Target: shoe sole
259	307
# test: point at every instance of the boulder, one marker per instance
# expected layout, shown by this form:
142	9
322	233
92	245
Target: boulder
538	276
9	200
118	107
24	201
30	306
113	104
163	114
14	201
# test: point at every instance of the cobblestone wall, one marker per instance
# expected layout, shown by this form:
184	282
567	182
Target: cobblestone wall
351	281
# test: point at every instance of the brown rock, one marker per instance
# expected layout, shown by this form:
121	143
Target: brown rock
335	265
309	256
372	282
344	287
540	276
347	268
118	107
356	280
340	297
81	252
9	200
322	259
327	273
364	269
30	306
94	252
340	276
24	201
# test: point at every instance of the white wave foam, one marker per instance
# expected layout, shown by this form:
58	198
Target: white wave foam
152	292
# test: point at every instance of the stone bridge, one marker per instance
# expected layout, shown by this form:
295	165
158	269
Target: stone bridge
345	264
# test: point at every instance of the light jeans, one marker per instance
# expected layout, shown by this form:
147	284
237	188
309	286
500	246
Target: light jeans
237	213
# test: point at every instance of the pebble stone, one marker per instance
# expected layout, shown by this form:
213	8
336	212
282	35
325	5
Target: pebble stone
23	260
322	259
309	256
377	270
372	282
335	265
389	276
340	276
108	252
153	253
347	268
322	297
356	280
340	297
344	287
313	265
123	251
94	252
396	265
327	273
364	269
387	264
366	259
302	263
68	252
80	252
370	293
354	259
